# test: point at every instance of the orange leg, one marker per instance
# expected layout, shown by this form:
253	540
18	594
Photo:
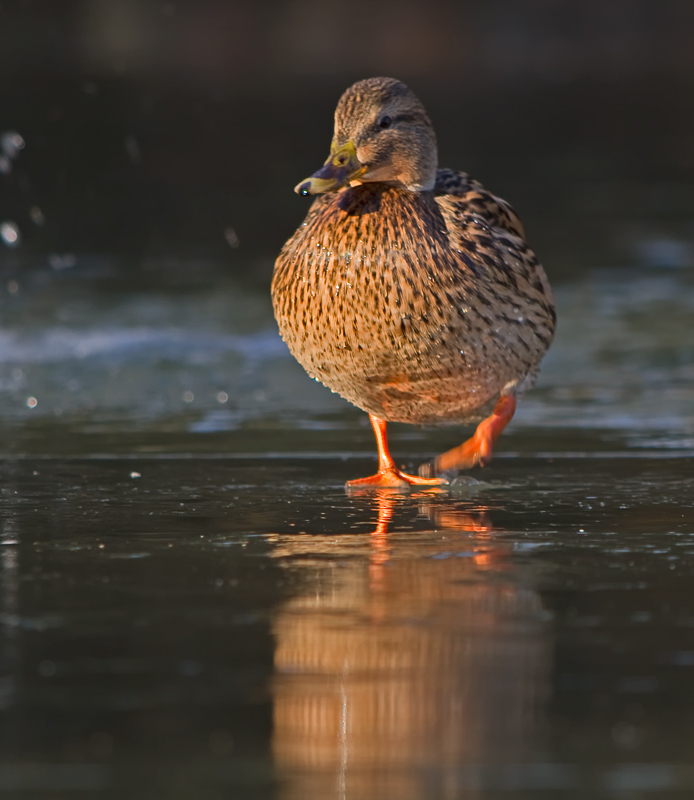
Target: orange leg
388	474
478	448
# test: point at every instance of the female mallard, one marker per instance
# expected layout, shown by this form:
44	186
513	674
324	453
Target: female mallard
410	290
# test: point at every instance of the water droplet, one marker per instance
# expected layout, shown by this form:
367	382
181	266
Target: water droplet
135	475
222	397
232	237
37	215
9	233
11	143
12	287
65	261
32	402
188	397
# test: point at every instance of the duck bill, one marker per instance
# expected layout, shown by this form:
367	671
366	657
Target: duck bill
341	167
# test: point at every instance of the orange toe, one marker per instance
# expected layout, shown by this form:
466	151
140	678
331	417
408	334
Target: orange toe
394	478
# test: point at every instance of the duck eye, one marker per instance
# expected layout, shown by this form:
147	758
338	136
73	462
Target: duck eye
385	122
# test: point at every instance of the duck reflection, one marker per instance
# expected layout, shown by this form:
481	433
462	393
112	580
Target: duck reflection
405	656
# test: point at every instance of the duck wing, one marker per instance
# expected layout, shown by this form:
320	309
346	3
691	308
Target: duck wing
489	239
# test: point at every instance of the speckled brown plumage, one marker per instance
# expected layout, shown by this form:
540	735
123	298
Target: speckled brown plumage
416	306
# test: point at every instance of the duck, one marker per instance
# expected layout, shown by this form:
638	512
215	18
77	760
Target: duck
409	289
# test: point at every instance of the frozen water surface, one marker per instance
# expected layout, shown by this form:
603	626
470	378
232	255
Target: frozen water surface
192	606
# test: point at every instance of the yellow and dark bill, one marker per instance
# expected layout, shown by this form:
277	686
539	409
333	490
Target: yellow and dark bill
341	167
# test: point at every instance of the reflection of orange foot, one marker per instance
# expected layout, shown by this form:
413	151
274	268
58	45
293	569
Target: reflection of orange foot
453	519
388	474
478	448
392	477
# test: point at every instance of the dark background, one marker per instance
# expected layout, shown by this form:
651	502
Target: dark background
153	128
161	453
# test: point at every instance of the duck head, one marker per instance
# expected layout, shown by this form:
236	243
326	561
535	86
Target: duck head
382	134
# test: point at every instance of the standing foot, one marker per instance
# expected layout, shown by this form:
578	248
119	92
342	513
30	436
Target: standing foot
394	478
